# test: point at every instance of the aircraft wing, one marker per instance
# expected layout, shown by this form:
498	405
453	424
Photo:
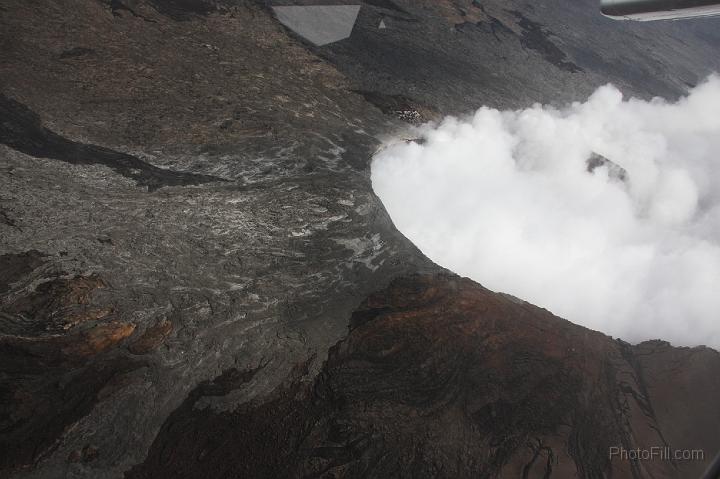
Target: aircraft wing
645	10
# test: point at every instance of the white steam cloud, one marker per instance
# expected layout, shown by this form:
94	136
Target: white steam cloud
606	212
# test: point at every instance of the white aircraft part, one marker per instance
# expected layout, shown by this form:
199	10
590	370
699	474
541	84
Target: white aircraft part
647	10
319	24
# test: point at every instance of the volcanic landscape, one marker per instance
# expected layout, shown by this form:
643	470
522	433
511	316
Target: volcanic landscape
197	279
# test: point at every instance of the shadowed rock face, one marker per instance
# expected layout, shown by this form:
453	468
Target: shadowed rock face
439	377
194	269
614	171
46	335
17	266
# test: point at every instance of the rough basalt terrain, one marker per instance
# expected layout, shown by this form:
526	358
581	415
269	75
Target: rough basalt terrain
439	377
197	280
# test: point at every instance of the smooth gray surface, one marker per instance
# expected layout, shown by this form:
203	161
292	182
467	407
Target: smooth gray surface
319	24
649	10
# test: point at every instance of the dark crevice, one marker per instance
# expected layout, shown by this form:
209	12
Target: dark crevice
362	317
6	219
498	26
184	10
538	449
535	37
116	6
386	4
536	453
178	10
644	399
13	267
22	130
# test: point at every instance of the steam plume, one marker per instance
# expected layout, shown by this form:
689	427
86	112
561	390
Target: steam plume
605	212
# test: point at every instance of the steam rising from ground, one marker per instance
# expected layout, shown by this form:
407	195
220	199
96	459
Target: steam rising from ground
507	199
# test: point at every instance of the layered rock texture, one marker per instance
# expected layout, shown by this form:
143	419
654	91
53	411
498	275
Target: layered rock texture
196	279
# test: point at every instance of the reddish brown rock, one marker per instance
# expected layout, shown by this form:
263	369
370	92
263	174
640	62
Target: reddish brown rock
53	352
99	339
53	306
152	338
